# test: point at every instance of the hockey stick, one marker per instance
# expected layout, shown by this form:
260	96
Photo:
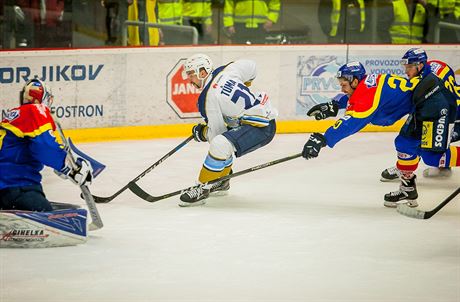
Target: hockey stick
96	221
146	196
419	214
98	199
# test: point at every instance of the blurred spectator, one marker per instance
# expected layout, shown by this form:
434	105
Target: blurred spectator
46	18
144	11
457	10
419	25
402	21
198	13
2	27
247	22
112	23
343	21
443	10
170	12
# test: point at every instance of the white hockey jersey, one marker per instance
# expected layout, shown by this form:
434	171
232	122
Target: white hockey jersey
226	102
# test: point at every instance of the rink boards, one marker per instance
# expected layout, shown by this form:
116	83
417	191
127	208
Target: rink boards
135	93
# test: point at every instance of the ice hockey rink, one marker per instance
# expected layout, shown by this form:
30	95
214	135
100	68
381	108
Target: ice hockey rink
302	230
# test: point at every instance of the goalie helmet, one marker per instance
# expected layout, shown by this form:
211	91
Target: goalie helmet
414	56
197	62
351	71
35	91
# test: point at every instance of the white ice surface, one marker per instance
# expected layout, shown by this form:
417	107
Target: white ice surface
299	231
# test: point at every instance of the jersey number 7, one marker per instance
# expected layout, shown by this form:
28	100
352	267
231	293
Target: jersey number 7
243	92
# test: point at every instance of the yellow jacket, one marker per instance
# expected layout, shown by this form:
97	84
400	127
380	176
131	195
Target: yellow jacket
335	16
199	9
170	12
250	12
133	31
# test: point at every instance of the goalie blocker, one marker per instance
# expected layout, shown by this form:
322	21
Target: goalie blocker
25	229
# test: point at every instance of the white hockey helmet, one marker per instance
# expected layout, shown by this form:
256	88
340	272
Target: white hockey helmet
195	63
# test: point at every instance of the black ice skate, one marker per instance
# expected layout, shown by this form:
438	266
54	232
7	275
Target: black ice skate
220	188
390	174
407	194
194	197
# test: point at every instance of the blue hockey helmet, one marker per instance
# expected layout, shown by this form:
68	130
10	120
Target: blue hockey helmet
351	71
414	56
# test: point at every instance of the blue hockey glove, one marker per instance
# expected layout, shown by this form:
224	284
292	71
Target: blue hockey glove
199	132
313	145
324	110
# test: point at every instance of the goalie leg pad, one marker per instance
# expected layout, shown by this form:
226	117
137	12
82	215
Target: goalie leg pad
21	229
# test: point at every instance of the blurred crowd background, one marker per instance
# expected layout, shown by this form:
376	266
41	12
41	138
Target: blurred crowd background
91	23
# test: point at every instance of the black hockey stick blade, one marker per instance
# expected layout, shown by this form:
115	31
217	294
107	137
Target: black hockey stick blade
146	196
99	199
419	214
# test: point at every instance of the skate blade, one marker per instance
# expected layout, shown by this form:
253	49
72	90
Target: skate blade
439	174
184	204
218	193
389	180
391	204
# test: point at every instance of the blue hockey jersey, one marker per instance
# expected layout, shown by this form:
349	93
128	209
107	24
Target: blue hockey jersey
379	100
27	143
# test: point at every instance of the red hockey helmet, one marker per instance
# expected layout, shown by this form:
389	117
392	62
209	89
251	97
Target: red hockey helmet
35	92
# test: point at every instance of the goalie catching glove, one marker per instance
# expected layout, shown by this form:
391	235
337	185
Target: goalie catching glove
80	173
324	110
199	132
313	145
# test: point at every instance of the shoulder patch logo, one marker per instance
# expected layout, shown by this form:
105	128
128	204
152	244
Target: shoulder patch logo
11	115
371	80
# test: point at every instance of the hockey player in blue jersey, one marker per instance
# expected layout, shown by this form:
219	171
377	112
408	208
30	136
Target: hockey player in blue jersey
27	143
425	135
417	58
373	99
414	62
378	99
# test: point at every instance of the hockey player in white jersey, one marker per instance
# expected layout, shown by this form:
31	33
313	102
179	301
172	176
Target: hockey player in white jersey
236	120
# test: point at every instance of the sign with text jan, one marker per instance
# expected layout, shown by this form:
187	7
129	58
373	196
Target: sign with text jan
181	95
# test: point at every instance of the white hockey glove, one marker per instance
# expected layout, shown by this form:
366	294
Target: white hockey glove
80	175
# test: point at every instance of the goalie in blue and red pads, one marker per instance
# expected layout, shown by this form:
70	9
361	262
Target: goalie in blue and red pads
27	143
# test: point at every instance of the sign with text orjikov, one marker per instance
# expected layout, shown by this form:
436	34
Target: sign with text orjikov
181	95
